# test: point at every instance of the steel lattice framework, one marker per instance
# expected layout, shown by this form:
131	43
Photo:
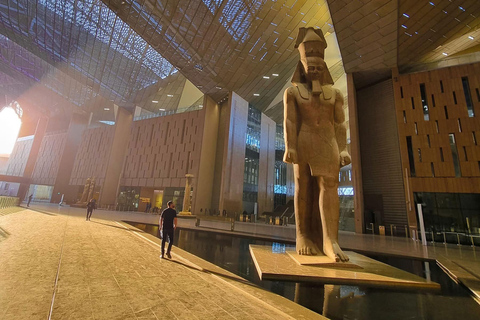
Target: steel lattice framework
78	49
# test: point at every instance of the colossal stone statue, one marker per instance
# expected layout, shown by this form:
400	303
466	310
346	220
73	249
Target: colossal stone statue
316	144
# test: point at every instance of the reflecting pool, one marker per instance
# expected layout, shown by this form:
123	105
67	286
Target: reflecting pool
335	301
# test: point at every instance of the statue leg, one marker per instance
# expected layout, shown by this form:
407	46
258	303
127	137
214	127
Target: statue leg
329	213
303	210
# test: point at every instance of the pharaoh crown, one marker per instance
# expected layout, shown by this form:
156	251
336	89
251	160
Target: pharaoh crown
311	43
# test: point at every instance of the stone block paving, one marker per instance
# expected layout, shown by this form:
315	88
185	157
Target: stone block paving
64	267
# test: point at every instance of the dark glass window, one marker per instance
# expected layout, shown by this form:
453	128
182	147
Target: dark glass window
468	96
474	137
446	111
428	140
465	153
454	97
441	86
413	103
433	100
426	114
456	162
419	155
410	156
401	92
478	94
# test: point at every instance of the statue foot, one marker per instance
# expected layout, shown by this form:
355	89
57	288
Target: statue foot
335	253
306	247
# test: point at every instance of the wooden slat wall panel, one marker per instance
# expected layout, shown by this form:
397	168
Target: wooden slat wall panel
380	155
443	178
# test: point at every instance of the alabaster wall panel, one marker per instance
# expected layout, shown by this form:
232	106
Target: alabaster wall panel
19	156
162	150
383	186
93	155
267	165
48	159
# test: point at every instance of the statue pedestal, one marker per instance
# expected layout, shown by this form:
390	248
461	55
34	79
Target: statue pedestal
184	213
278	265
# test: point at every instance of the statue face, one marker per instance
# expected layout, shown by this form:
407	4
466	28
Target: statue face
314	68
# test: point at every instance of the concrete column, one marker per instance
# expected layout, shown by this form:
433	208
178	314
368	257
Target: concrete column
78	123
267	165
355	154
123	124
32	156
203	185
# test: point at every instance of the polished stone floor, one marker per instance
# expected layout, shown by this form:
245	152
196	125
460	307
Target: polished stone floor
59	266
462	263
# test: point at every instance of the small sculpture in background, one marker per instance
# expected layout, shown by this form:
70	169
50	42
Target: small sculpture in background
85	193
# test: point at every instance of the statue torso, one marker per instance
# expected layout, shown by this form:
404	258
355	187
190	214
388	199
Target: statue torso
316	140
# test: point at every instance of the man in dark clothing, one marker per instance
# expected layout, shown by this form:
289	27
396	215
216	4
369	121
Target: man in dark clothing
29	200
168	223
90	207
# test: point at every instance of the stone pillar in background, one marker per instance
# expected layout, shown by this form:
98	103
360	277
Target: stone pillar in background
266	172
186	198
32	156
123	124
78	123
355	154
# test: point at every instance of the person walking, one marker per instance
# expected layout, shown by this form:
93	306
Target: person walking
90	207
168	224
29	200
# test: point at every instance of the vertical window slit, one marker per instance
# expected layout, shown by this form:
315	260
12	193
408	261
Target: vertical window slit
459	125
411	161
401	92
428	140
419	154
433	101
404	117
453	147
423	93
416	128
454	97
433	169
436	125
474	138
441	86
465	153
441	155
446	111
413	103
478	94
468	96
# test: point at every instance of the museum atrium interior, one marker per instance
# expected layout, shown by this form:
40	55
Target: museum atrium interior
135	103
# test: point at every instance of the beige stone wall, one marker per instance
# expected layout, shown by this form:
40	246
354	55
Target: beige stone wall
19	156
162	150
48	159
267	165
92	156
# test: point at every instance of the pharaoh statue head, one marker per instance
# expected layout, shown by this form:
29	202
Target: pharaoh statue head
311	45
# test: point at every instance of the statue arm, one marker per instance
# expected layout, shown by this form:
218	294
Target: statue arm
290	126
341	129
